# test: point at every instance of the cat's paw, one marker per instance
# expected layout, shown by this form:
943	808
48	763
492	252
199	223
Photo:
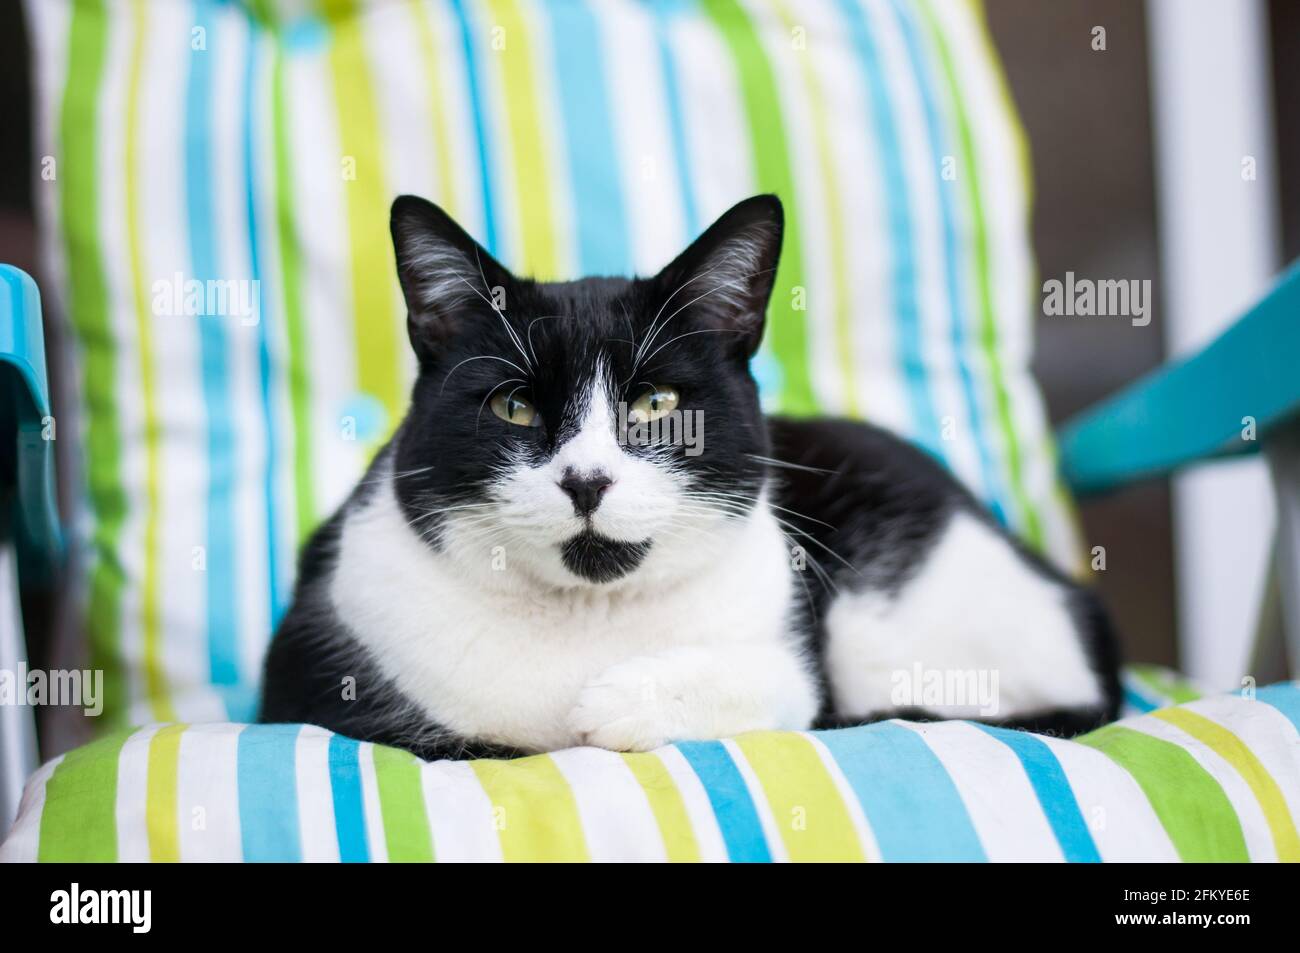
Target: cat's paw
630	706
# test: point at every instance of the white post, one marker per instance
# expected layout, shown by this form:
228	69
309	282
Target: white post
1217	198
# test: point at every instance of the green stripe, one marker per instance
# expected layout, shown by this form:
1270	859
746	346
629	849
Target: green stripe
667	805
155	675
1234	751
534	809
533	181
79	817
374	271
401	802
88	309
968	177
1190	804
787	331
839	239
448	196
291	286
806	804
161	796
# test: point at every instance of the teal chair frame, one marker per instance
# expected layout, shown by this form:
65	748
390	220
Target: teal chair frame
1239	394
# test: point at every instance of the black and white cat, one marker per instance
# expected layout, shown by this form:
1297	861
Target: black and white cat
535	561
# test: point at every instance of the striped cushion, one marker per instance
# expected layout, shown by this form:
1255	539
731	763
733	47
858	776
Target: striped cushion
1216	779
262	142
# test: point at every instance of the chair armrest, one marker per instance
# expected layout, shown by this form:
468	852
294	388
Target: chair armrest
1195	409
26	426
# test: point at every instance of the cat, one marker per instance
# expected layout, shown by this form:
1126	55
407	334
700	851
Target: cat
547	553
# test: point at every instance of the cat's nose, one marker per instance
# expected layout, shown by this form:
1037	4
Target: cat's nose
585	491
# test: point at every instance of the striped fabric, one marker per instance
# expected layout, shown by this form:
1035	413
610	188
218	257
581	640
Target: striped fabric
253	148
1215	779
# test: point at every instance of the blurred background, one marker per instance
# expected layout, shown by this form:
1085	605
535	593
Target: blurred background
1131	110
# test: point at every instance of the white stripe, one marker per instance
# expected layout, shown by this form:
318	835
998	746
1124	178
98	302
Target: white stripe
643	137
22	842
461	817
318	836
713	114
207	793
617	821
371	807
998	795
131	810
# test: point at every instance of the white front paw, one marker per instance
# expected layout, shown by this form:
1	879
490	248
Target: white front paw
630	706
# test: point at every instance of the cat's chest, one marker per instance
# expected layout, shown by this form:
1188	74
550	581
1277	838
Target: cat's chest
509	666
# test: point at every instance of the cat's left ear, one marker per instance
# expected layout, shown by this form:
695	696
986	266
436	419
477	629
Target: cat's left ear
724	279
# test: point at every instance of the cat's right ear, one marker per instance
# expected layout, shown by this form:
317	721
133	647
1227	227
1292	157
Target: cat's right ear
446	276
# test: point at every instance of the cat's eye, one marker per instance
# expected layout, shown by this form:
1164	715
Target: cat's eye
515	409
655	403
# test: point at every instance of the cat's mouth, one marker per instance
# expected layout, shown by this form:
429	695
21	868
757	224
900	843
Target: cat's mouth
601	559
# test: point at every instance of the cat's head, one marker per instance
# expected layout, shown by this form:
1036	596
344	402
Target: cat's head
583	432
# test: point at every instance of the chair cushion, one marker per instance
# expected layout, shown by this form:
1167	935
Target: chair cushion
216	222
1214	779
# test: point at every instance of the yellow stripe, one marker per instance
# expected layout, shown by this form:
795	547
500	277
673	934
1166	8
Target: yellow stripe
534	810
154	675
519	82
431	60
375	304
668	807
806	804
1234	751
161	799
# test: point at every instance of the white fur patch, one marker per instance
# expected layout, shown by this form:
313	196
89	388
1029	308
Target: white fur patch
973	616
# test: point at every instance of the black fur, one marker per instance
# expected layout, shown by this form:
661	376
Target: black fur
860	495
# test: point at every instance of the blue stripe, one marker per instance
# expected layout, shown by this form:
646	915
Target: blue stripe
909	799
1285	698
477	109
276	603
603	242
1055	795
349	805
1136	700
729	795
266	765
663	13
899	246
223	657
956	302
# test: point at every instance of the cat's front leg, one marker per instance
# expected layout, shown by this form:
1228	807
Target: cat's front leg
694	693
